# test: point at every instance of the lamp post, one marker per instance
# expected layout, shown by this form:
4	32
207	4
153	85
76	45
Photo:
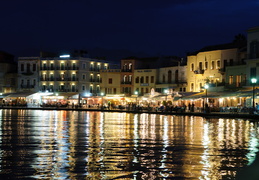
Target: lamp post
166	94
102	94
253	80
136	93
206	86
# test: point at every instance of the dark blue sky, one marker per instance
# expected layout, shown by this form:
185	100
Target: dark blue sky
165	27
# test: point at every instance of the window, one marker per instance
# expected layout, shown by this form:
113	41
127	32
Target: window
200	66
218	64
62	65
62	76
152	79
169	78
206	65
142	79
52	66
130	66
147	79
34	67
137	80
176	76
192	67
192	87
130	78
110	80
230	79
83	77
212	65
22	67
238	80
84	66
44	66
163	79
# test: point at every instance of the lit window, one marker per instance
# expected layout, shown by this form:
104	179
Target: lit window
231	79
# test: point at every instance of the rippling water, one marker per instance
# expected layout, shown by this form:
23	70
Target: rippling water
38	144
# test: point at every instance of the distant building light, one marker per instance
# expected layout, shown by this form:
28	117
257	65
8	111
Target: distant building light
65	56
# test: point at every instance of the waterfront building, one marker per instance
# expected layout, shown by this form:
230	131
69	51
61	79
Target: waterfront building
208	65
172	78
144	81
28	74
110	83
68	76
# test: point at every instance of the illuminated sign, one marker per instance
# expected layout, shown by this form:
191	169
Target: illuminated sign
65	56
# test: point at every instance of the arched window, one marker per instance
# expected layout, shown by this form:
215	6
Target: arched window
176	76
137	80
169	78
142	79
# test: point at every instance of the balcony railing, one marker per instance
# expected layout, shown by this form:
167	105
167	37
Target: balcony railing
126	82
27	86
199	71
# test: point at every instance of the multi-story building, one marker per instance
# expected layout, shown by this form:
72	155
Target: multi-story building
144	81
68	74
208	65
110	83
172	78
252	61
28	74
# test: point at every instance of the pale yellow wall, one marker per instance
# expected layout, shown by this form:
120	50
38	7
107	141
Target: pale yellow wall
113	74
213	74
146	85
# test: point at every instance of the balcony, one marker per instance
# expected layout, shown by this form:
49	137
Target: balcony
61	79
126	82
199	71
27	86
72	79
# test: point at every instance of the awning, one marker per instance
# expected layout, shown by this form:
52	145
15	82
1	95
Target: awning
19	94
66	94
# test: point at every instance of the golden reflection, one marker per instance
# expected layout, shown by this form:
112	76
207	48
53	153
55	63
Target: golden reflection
105	145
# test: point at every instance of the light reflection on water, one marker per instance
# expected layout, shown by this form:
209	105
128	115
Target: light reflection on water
94	145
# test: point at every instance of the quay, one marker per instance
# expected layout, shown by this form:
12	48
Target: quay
235	115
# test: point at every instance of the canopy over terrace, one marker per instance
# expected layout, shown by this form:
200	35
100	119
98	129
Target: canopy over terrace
60	97
215	99
17	98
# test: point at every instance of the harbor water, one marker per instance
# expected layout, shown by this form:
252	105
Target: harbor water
59	144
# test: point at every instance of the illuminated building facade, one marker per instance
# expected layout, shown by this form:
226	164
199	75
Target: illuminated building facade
145	80
172	78
209	65
67	74
110	81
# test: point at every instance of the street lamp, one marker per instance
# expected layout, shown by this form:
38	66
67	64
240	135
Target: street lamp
206	87
166	94
253	80
136	93
102	94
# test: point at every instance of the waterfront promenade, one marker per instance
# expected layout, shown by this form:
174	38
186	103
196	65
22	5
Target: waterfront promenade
243	115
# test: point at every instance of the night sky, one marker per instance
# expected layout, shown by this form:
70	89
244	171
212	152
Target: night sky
116	28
